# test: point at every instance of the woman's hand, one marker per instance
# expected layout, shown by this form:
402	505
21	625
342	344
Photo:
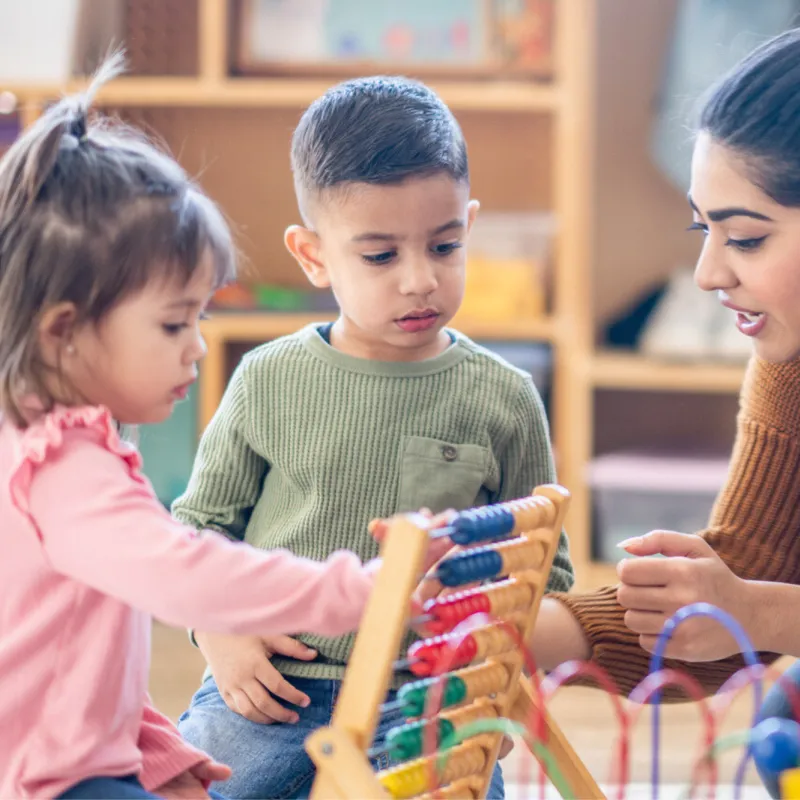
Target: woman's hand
653	589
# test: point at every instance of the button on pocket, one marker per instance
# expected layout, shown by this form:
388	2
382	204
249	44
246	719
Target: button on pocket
449	453
438	474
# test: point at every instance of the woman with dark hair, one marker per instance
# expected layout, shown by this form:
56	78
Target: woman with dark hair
745	200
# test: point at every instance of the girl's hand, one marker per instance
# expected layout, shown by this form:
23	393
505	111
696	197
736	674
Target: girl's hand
190	785
437	548
378	528
653	589
428	588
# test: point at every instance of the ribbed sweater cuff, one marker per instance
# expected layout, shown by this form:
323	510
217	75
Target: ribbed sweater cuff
614	647
289	668
166	760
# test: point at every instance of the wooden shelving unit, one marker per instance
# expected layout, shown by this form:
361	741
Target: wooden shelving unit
250	327
533	146
544	131
593	574
225	328
288	93
609	370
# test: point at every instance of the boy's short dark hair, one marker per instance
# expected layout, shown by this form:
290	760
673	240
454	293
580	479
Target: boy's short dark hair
378	130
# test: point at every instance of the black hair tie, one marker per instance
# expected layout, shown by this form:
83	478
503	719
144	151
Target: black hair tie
76	133
77	127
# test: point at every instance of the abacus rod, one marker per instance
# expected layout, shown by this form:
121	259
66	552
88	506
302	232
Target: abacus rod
433	576
405	663
377	751
449	530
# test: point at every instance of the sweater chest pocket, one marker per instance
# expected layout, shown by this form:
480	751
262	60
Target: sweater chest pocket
438	475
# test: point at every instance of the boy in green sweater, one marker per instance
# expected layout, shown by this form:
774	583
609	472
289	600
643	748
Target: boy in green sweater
385	411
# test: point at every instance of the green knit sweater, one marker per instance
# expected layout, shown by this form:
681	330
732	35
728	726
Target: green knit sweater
309	444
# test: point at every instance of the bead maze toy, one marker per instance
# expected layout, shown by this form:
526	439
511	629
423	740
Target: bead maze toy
471	688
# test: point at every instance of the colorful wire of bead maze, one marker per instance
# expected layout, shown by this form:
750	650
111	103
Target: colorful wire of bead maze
457	717
772	743
472	667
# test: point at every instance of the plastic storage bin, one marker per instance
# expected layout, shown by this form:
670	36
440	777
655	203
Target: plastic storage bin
635	493
507	268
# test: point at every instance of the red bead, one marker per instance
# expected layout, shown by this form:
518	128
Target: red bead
447	612
431	655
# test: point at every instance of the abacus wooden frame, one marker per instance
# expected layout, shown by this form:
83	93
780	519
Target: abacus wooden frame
339	750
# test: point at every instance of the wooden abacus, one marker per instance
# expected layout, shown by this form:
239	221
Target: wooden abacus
488	682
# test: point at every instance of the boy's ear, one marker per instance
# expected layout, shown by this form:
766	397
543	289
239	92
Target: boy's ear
472	211
304	245
56	331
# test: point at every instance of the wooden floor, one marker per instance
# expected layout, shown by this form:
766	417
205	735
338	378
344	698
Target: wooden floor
585	715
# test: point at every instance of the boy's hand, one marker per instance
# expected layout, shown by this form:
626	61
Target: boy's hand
246	679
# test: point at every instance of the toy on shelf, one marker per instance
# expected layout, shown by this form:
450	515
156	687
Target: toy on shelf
455	38
266	297
524	32
471	688
508	273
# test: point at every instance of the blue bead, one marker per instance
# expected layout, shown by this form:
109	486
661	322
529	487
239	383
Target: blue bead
775	743
482	524
468	567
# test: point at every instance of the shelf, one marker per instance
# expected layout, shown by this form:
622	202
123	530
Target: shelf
254	326
610	370
286	93
515	330
594	575
251	327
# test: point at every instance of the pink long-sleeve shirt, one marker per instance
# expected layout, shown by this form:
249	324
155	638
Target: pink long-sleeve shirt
88	557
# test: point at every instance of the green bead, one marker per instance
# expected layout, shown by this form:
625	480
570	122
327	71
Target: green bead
455	691
414	695
407	741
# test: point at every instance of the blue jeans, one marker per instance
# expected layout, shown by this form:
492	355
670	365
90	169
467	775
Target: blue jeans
127	788
269	761
777	704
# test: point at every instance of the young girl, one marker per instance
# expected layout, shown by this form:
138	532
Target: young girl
108	256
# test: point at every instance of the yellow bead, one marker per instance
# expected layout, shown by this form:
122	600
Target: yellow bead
790	784
406	781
